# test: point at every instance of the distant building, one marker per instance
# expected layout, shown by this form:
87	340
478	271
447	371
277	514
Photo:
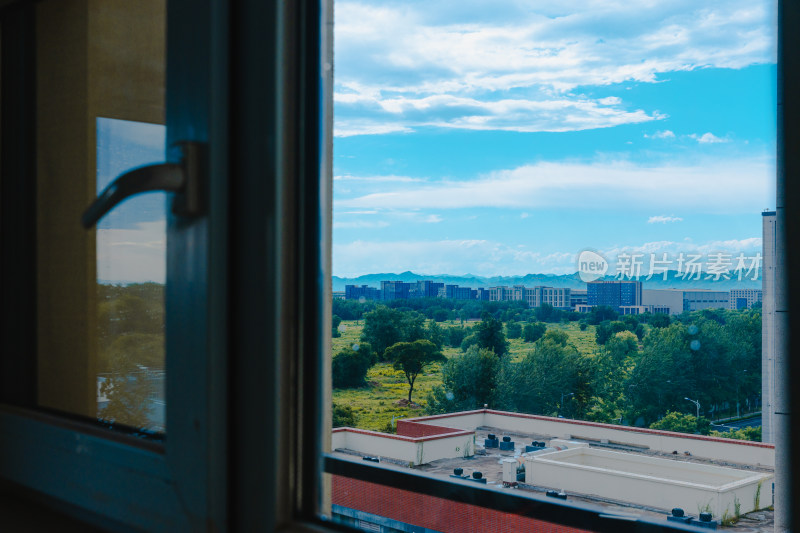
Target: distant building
577	297
454	292
680	300
671	299
500	294
744	298
354	292
556	296
695	300
614	294
395	290
426	289
641	309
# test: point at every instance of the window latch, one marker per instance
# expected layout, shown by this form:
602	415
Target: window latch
187	179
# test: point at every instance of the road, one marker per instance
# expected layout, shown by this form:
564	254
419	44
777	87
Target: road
727	426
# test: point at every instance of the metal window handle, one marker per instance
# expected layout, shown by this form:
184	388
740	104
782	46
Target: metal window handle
186	179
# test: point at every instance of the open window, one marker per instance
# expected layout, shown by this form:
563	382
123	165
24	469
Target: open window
245	432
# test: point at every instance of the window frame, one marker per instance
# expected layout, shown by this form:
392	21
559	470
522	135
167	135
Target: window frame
269	291
109	478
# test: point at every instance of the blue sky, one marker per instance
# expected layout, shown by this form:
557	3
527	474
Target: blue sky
473	137
131	238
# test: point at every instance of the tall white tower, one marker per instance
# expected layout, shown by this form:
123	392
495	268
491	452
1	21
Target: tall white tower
768	326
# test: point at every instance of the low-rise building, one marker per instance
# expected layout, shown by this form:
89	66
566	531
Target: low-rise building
626	469
680	300
744	298
354	292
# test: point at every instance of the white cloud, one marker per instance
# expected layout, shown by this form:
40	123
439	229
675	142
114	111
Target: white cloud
360	224
481	257
489	258
394	59
747	247
686	246
666	134
376	179
713	186
133	255
662	219
707	138
350	128
521	115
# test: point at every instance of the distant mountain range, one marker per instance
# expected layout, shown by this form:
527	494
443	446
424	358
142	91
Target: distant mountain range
573	281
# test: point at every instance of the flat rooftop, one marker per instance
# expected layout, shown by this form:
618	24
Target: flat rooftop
489	463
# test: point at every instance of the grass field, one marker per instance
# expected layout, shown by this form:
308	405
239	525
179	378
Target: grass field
375	405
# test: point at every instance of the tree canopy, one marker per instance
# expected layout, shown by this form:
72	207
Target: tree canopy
384	327
469	381
412	358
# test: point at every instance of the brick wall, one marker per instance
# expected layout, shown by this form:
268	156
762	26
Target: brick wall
415	429
431	512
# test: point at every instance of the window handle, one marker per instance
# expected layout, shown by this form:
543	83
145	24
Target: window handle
186	179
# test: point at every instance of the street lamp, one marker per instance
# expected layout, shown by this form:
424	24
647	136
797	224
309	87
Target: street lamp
696	403
562	400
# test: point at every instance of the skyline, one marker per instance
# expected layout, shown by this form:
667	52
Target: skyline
504	140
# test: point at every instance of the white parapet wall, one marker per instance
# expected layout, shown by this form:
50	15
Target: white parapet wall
650	481
411	450
729	450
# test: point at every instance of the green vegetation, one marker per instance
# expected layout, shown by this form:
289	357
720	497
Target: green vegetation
468	382
343	416
682	423
349	367
412	358
748	433
641	371
130	326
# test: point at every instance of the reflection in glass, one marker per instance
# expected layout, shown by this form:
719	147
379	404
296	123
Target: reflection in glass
131	263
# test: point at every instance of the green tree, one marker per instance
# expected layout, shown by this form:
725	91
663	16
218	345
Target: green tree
384	327
605	330
682	423
558	336
412	358
489	334
455	336
435	334
335	321
748	433
440	315
621	346
468	382
550	370
659	320
601	313
349	367
513	330
343	416
533	332
547	313
663	376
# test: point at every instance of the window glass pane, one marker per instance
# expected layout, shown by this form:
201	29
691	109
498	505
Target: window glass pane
550	230
131	262
100	307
